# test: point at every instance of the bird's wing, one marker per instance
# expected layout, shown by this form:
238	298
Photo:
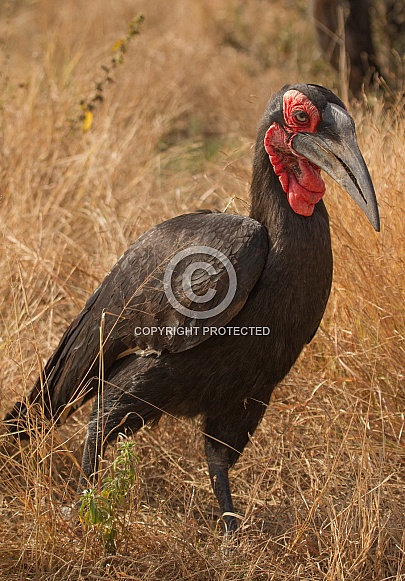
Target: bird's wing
187	273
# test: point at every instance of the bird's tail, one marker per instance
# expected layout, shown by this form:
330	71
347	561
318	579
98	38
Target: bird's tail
70	377
50	402
45	405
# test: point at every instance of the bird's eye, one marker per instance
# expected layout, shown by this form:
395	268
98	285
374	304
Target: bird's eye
301	116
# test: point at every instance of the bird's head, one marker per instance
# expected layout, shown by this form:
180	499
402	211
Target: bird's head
308	129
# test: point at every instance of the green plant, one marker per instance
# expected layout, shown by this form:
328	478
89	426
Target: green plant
101	509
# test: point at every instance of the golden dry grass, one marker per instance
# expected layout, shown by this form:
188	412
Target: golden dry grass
320	489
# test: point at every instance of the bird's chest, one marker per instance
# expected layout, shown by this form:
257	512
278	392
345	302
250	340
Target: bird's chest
290	299
296	283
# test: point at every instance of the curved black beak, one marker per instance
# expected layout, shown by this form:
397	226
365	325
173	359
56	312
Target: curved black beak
336	151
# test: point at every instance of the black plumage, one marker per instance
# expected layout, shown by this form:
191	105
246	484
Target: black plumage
282	259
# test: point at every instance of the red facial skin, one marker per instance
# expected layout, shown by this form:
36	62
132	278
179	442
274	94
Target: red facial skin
299	178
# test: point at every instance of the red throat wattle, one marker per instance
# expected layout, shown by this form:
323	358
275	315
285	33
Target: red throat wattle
299	178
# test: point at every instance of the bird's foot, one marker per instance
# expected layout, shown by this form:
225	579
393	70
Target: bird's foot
230	539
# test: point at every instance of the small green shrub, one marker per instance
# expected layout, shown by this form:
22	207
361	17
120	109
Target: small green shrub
100	509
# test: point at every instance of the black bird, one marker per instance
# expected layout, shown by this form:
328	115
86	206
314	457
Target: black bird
207	312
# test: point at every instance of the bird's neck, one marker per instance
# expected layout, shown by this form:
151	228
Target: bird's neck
270	205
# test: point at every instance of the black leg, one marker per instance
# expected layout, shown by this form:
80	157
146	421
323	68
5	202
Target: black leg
218	465
225	438
92	452
119	411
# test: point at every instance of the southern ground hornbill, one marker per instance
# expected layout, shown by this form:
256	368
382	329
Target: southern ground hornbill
206	313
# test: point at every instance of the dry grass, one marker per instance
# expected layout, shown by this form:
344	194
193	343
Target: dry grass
320	488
